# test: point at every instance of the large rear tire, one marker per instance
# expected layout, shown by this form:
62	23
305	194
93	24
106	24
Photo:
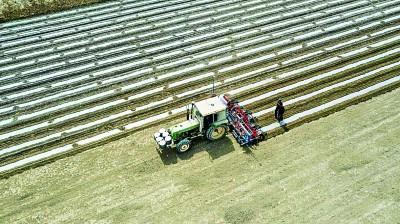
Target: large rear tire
183	145
215	133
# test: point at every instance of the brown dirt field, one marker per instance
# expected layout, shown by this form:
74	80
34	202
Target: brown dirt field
16	9
343	168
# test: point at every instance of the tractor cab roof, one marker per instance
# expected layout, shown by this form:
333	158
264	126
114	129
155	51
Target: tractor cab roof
210	106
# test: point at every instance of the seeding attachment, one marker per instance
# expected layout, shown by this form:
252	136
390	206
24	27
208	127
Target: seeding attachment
242	123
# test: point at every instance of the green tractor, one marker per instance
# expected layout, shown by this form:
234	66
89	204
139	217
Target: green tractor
206	118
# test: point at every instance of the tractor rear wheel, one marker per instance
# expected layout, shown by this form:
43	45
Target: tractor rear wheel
183	145
215	133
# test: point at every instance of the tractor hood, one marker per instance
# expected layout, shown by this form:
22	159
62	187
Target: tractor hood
185	126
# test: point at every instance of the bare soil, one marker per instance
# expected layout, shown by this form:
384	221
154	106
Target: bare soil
16	9
343	168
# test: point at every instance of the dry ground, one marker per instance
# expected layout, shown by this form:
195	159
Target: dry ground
344	168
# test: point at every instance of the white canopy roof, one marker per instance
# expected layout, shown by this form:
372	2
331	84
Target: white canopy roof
210	106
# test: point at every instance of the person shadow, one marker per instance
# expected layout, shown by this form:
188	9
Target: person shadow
284	126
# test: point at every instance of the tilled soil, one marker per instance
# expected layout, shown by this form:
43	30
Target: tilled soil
117	123
129	119
10	10
343	168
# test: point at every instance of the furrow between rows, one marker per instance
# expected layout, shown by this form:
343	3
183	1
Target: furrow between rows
105	81
179	110
268	128
140	39
176	84
107	19
173	85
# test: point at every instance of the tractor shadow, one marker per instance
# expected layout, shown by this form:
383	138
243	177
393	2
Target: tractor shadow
168	157
219	148
214	149
249	149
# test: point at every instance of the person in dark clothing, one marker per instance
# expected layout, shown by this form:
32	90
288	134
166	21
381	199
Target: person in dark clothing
279	111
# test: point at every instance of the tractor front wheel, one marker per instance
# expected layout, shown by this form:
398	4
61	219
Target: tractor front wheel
183	145
215	133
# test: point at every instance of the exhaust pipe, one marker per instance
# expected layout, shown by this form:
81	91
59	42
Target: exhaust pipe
187	112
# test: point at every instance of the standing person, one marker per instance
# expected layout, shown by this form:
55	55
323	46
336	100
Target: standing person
279	111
